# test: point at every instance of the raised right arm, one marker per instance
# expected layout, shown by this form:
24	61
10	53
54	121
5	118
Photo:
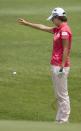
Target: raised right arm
36	26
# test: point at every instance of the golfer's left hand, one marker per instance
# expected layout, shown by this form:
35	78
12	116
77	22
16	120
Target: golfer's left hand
61	72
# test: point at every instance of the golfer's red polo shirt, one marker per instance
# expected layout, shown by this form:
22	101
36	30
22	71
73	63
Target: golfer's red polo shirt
62	32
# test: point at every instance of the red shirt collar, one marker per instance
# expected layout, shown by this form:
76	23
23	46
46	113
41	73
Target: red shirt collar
62	25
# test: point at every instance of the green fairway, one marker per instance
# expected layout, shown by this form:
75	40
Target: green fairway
28	95
36	126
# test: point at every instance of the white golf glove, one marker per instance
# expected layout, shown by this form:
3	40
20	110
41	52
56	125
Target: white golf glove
61	72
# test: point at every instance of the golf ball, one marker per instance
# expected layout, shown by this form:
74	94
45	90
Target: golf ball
14	73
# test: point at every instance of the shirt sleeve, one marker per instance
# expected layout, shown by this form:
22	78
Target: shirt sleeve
64	35
54	30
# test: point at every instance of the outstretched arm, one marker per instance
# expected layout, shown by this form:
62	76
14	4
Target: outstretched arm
36	26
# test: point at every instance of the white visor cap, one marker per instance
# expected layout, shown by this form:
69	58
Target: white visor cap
57	12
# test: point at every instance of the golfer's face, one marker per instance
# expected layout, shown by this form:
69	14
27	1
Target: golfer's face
55	21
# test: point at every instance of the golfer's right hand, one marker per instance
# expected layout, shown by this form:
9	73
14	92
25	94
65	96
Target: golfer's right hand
21	21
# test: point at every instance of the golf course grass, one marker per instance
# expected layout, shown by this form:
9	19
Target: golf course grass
28	94
37	126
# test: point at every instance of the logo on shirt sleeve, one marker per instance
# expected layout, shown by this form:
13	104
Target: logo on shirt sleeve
64	34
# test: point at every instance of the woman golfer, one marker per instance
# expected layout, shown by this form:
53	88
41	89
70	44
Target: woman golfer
60	60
